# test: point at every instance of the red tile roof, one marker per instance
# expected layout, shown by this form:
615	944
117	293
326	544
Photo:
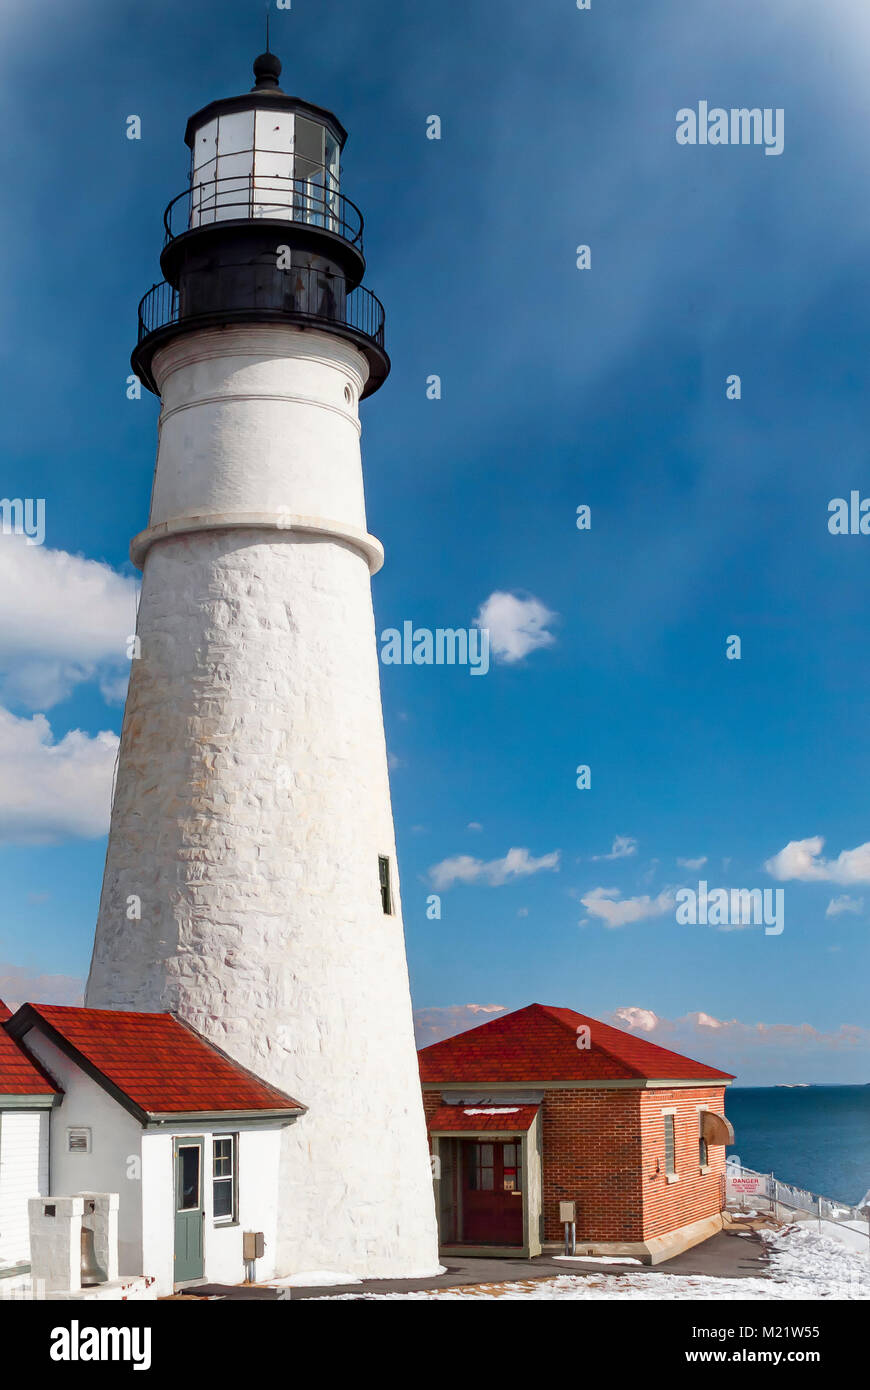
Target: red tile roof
539	1043
157	1062
20	1075
513	1119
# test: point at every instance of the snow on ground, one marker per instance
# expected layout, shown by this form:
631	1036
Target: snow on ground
824	1266
313	1278
597	1260
851	1233
803	1265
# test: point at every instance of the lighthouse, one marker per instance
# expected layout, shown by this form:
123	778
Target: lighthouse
251	885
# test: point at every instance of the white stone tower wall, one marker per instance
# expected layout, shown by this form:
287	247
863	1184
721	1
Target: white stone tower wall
252	798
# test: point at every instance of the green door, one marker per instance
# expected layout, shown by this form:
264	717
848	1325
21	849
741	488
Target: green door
189	1211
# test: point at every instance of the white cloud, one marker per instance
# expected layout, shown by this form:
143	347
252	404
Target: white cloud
63	620
463	868
19	986
844	904
474	825
516	625
801	860
644	1020
113	686
613	911
693	863
431	1025
53	791
623	848
759	1053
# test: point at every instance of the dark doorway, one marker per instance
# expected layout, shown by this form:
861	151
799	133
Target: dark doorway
492	1195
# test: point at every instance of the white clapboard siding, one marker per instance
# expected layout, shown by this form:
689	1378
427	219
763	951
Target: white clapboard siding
23	1174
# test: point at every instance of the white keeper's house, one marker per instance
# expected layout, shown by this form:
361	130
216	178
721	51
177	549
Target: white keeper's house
140	1105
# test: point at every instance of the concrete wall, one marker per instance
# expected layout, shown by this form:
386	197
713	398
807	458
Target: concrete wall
114	1160
23	1174
252	798
534	1182
257	420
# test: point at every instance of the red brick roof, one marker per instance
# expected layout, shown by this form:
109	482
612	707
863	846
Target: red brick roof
539	1043
20	1075
513	1119
157	1062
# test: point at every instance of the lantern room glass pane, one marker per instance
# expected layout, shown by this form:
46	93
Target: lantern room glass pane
309	146
262	163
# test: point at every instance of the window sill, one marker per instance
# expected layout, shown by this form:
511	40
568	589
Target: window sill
672	1177
705	1168
222	1225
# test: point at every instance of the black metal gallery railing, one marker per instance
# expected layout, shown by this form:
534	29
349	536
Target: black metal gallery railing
312	201
300	293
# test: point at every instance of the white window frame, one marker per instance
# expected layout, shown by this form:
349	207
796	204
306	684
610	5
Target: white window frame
670	1113
233	1177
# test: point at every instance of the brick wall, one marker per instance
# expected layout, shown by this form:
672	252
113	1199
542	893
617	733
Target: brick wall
605	1150
695	1195
592	1156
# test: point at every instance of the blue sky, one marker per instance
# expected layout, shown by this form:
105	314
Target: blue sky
603	387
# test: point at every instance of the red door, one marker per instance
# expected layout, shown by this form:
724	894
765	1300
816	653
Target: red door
492	1193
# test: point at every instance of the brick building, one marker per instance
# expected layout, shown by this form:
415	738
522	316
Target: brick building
544	1106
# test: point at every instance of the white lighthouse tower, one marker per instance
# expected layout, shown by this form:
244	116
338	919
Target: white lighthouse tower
250	883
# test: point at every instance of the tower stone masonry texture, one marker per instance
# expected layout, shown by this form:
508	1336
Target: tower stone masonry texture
252	804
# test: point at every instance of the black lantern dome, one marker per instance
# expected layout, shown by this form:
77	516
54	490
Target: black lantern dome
267	71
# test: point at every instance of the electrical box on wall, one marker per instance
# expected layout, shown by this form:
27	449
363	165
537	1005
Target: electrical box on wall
253	1245
566	1211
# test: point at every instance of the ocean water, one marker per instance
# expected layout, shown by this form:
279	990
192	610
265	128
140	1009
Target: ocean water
816	1137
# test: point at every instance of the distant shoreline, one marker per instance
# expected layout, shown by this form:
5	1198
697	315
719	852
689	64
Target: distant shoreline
803	1085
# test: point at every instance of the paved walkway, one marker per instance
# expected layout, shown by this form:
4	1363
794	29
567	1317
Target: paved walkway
723	1256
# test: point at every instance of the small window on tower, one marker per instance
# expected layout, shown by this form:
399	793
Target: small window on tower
386	888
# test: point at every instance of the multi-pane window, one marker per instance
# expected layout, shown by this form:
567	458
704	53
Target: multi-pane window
481	1177
386	886
511	1167
702	1142
224	1177
495	1167
670	1146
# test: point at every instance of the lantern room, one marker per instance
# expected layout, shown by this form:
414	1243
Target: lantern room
265	155
263	233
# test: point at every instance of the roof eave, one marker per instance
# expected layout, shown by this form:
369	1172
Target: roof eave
160	1119
28	1017
576	1083
37	1101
